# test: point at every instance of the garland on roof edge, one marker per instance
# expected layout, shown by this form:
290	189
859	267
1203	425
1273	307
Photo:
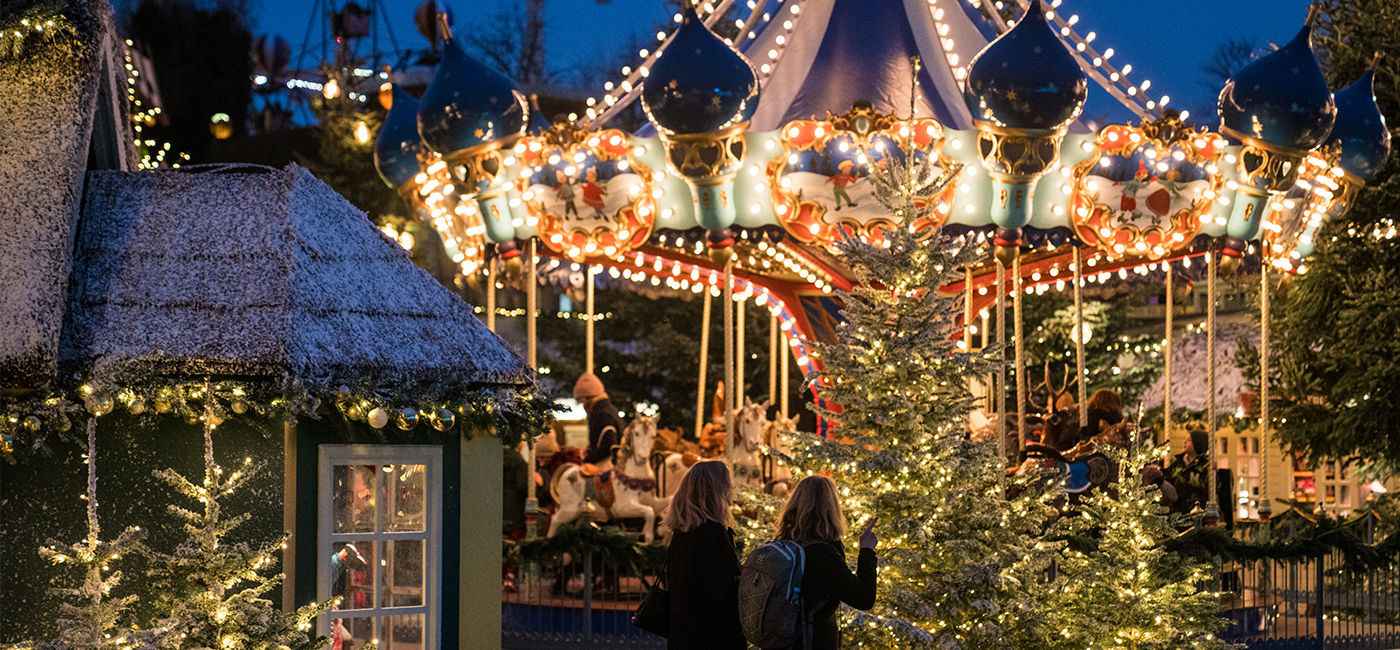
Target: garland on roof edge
506	412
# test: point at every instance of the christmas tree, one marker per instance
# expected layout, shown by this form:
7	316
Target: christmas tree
959	559
1115	563
90	619
213	591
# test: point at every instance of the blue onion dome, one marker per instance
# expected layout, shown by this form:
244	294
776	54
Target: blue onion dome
397	146
1026	78
468	104
1281	98
1360	129
699	84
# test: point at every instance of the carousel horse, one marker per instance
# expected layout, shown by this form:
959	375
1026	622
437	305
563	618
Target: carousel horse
623	492
745	455
671	458
775	438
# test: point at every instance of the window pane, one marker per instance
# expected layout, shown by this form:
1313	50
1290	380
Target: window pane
353	493
404	632
352	574
403	573
351	633
405	498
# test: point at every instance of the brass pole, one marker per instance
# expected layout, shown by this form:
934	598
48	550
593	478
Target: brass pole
704	362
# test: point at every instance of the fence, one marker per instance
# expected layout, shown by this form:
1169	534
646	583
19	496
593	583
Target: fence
1322	600
575	602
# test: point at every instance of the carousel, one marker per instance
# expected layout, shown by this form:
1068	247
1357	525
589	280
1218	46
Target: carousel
756	163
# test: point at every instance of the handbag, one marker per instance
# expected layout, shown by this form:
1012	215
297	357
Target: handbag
654	612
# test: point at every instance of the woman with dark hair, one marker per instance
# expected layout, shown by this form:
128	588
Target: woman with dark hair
702	566
812	518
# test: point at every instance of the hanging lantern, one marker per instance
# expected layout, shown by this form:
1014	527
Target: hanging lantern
472	115
1021	111
700	95
1279	107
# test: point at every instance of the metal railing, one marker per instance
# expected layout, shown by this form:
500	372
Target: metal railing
1321	600
574	602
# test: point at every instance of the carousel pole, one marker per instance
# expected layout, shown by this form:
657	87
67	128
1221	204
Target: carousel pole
704	363
786	355
729	356
532	504
1167	349
1212	509
1018	319
588	324
491	295
989	398
1265	508
773	359
1079	337
739	326
967	308
1001	361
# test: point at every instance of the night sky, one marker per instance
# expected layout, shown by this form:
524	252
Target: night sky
1166	42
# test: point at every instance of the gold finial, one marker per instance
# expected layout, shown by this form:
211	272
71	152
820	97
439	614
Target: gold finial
1312	14
446	28
1375	60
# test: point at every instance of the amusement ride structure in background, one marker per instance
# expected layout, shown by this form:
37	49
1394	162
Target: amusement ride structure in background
756	160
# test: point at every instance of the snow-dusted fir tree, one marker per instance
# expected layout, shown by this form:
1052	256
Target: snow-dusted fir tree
90	618
212	592
959	560
1121	589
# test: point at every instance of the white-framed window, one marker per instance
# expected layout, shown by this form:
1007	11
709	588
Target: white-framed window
379	535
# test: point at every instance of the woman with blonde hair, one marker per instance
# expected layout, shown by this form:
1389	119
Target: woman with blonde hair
812	518
702	565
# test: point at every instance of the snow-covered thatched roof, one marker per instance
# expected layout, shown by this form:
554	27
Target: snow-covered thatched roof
63	109
1189	366
260	272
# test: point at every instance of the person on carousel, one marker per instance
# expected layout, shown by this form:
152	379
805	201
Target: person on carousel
604	424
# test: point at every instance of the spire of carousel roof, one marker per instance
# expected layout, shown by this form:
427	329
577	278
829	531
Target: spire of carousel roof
1281	98
469	104
1360	129
397	146
700	84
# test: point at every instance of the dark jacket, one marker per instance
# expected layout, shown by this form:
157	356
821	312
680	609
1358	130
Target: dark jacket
604	431
702	576
827	582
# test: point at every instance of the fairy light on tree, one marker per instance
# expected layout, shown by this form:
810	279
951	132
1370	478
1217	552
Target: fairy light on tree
214	591
1116	563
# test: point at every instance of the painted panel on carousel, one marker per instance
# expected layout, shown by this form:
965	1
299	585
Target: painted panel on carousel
675	210
586	194
824	181
1147	189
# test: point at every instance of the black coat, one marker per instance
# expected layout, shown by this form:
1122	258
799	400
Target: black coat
604	431
827	582
702	576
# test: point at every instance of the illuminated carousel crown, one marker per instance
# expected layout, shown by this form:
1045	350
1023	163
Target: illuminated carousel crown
398	144
1282	99
1026	79
700	84
468	105
1360	129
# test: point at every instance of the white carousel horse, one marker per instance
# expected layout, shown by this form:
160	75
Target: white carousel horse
779	474
744	454
632	482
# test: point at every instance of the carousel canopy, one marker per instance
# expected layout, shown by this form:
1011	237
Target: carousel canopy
260	272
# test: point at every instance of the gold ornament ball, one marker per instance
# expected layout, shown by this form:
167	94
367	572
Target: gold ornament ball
353	412
1229	264
378	417
239	406
213	419
721	256
137	406
98	404
1007	254
162	405
342	392
408	418
32	423
444	420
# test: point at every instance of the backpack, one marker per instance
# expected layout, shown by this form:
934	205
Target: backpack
771	609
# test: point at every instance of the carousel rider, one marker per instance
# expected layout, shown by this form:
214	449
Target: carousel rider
604	424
